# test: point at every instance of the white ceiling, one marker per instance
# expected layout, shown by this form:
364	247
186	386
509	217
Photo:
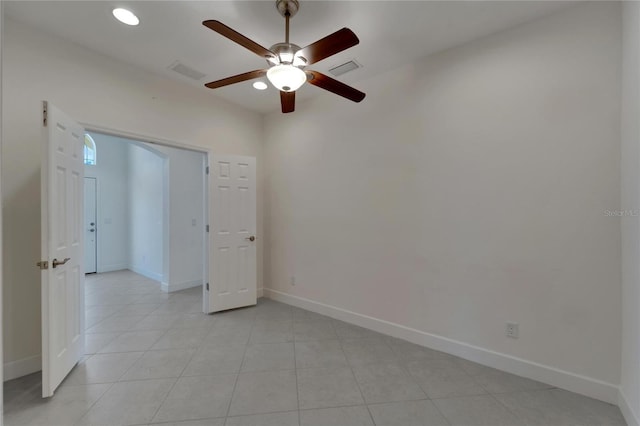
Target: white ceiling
391	33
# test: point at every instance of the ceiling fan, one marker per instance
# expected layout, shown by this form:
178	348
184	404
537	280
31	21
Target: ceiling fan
288	61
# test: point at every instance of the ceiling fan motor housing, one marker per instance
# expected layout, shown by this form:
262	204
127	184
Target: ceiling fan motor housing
285	54
287	7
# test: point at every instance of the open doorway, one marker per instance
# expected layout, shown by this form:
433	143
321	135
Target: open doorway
144	232
90	220
137	316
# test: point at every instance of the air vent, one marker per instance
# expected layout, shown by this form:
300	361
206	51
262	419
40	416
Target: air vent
181	68
345	68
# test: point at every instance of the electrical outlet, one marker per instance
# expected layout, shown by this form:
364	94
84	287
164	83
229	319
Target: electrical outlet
512	330
293	281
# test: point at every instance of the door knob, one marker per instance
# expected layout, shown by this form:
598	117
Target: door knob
251	238
92	224
57	262
92	230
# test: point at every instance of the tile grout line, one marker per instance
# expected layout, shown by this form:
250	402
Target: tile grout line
164	399
94	402
446	419
504	406
136	350
176	379
235	384
432	400
295	366
356	380
413	379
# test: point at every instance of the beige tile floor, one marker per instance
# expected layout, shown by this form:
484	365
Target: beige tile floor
155	358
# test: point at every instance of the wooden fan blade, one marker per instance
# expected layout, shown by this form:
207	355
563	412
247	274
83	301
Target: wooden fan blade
327	83
288	101
235	36
236	79
328	46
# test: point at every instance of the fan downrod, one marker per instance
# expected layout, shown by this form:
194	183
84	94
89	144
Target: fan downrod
287	8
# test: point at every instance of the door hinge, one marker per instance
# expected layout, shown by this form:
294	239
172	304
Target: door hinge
207	228
207	286
43	264
44	113
207	169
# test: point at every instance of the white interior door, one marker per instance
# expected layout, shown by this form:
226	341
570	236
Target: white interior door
232	254
62	248
90	228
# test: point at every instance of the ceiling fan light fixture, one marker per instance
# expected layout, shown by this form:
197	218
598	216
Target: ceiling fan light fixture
125	16
286	57
286	78
299	61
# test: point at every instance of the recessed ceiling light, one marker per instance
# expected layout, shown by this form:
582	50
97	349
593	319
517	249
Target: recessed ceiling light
260	85
126	16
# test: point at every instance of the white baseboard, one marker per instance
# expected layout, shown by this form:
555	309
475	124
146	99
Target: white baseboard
629	414
145	272
22	367
169	288
260	292
559	378
112	268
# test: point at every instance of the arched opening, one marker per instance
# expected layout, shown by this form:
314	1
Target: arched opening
90	154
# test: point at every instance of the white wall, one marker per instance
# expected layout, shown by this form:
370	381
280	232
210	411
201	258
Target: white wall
97	90
147	197
630	201
465	191
1	284
112	177
186	218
